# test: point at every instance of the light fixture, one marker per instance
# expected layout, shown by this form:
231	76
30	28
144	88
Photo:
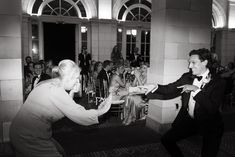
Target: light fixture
134	32
83	29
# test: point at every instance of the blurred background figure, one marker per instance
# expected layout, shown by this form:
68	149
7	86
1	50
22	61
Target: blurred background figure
104	78
49	64
135	58
39	75
84	62
116	55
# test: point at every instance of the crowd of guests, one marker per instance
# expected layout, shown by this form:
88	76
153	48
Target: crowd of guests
117	77
96	77
201	89
35	72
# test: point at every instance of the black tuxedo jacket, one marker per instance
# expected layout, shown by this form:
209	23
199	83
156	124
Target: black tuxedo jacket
135	62
84	60
208	100
43	77
103	76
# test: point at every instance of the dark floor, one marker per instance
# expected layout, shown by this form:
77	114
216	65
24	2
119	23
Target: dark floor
112	136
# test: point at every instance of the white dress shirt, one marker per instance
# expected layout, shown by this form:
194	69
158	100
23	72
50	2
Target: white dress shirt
200	84
36	81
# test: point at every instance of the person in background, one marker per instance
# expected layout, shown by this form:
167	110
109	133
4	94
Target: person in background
104	77
97	68
48	67
42	62
135	107
118	82
92	68
28	60
28	78
31	128
39	75
140	76
116	55
135	58
84	62
202	94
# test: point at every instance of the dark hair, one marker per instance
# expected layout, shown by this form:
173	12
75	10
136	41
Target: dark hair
106	63
37	63
203	54
231	65
96	65
28	57
118	65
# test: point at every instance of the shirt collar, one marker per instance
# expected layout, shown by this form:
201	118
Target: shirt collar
205	74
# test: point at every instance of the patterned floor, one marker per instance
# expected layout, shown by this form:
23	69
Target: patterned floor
189	148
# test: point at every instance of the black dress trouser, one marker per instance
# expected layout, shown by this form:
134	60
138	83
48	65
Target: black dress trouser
211	138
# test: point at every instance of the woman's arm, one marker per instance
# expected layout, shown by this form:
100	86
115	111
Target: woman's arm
76	112
120	82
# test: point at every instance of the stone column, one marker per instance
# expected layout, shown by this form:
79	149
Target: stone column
11	91
103	39
225	47
177	27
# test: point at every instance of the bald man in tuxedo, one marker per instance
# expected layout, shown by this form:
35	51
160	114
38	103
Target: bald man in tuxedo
202	94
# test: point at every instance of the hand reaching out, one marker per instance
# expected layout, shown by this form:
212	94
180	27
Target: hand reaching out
188	88
149	88
105	105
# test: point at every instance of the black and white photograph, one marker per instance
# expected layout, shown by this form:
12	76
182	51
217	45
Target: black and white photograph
117	78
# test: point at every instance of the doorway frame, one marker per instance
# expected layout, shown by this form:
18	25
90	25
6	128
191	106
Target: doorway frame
68	20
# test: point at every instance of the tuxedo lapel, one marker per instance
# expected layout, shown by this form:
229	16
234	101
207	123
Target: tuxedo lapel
186	96
210	83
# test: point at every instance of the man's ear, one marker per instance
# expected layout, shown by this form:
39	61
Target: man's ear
205	62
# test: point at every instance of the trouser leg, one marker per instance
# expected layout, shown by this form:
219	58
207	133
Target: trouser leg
211	142
175	134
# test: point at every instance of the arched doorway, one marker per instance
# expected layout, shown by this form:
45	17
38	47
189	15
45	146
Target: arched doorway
59	41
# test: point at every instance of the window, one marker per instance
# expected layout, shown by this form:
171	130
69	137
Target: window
119	38
35	42
84	34
135	10
74	8
130	41
145	45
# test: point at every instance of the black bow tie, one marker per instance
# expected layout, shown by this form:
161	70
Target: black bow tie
197	77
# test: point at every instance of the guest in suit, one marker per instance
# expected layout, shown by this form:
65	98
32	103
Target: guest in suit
28	60
39	75
104	77
201	100
135	58
31	129
84	62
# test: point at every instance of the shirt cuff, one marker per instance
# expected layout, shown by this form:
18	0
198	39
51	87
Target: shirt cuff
154	89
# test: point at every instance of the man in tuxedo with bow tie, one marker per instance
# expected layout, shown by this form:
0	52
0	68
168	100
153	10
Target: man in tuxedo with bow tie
104	77
39	75
202	94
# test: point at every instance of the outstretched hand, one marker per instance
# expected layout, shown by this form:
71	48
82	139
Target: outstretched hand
105	105
149	88
188	88
75	89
